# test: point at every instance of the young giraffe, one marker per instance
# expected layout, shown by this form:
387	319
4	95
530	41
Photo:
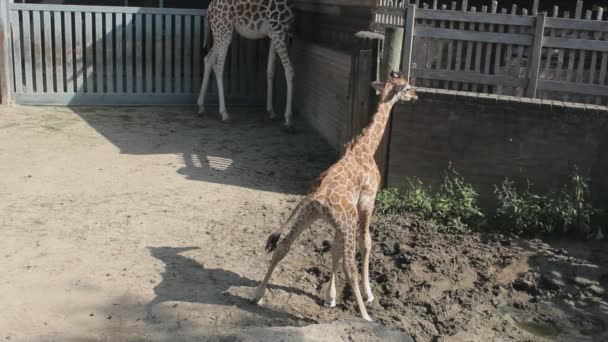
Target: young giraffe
344	195
252	19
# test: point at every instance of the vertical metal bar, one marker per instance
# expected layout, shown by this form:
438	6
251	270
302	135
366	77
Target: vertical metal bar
177	61
139	38
197	56
149	54
89	58
48	52
188	54
80	53
129	52
68	52
59	34
109	34
38	52
5	55
99	68
28	62
158	55
18	58
120	58
168	54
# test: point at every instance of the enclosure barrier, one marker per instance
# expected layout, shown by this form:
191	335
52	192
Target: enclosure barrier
526	54
117	55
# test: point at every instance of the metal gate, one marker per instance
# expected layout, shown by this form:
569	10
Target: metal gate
100	55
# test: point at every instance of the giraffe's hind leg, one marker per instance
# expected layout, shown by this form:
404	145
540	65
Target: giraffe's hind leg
336	255
279	42
270	75
209	61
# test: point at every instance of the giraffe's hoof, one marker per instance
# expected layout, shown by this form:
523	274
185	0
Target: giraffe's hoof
370	298
201	111
331	303
272	115
366	317
289	129
256	301
227	121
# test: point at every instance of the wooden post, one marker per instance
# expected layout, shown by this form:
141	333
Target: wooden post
408	40
391	53
5	76
536	55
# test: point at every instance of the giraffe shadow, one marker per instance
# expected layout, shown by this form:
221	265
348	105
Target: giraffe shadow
186	280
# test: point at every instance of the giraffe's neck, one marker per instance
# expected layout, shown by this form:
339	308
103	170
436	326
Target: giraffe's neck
372	134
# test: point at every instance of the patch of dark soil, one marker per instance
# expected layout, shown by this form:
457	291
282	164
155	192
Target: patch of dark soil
478	287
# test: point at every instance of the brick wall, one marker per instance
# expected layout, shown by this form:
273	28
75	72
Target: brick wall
488	138
321	92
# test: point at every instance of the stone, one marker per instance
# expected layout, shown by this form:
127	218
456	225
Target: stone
355	330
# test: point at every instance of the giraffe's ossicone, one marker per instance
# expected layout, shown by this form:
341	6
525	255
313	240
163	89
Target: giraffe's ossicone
344	196
252	19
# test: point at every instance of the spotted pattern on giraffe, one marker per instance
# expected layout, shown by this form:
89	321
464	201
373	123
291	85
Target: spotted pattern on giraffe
344	196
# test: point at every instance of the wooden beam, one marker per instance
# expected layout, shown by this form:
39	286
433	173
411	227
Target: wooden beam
487	37
536	55
408	41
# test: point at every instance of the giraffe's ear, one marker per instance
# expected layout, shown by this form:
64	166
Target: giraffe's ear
379	86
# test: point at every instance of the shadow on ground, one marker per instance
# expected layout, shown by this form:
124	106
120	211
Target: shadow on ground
253	152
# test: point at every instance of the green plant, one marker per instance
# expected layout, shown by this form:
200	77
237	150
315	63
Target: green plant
524	212
454	205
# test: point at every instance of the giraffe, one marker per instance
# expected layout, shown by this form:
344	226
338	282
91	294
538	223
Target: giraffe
344	195
252	19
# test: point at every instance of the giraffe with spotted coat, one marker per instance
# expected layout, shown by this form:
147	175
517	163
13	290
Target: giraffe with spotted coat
252	19
344	195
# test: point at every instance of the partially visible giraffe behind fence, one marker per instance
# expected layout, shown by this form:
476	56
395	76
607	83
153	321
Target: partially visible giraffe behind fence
253	19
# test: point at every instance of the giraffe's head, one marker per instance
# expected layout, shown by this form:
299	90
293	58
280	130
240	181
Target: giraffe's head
395	89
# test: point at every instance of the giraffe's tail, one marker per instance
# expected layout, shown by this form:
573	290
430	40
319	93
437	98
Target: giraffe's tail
301	217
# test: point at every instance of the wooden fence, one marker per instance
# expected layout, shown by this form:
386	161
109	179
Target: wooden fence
561	56
120	55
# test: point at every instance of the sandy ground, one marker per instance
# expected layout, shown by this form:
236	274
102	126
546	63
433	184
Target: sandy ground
127	224
147	224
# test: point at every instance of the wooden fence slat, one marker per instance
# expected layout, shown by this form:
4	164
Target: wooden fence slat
16	37
408	39
550	52
459	42
6	56
580	70
469	55
158	54
450	46
168	54
139	53
573	87
129	29
463	16
489	37
68	52
498	55
594	54
577	44
178	56
99	52
48	52
188	54
149	82
58	52
469	77
89	58
109	49
120	66
535	55
581	25
80	66
509	50
489	47
39	85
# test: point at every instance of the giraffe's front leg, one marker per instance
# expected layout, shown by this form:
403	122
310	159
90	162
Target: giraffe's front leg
336	255
270	75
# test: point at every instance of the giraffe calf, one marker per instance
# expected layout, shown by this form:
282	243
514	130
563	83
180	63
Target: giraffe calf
344	196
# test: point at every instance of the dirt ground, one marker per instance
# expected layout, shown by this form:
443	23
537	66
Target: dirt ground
147	224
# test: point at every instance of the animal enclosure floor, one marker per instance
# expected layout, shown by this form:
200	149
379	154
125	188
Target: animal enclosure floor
124	224
148	224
